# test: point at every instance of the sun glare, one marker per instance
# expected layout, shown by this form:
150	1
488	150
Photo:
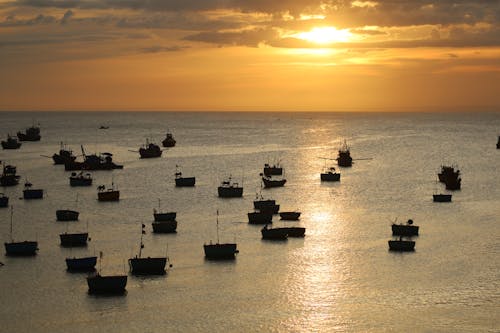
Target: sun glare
325	35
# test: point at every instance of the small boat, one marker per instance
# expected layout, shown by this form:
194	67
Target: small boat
11	143
164	227
330	175
401	245
72	240
344	158
65	155
103	127
230	189
147	266
101	161
274	233
290	216
80	179
273	170
150	150
183	181
268	205
31	134
9	176
84	264
448	173
441	197
269	182
407	229
67	215
110	194
31	193
294	231
4	200
106	284
453	184
169	140
260	217
25	248
161	217
218	250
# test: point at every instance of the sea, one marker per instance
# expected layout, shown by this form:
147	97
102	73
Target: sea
340	277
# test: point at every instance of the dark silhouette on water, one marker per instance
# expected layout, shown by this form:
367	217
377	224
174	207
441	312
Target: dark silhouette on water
9	176
344	158
274	233
407	229
169	140
31	134
11	143
64	156
401	245
80	179
164	222
273	170
290	216
230	189
24	248
83	264
441	197
150	150
4	200
32	193
269	182
181	181
218	250
147	266
262	217
101	161
106	284
110	194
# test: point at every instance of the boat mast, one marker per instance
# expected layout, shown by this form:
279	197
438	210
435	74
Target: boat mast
218	226
142	233
11	214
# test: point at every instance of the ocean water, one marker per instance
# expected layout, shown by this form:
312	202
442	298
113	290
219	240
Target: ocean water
339	278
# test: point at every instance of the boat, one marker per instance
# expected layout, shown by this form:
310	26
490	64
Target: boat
260	217
164	227
110	194
269	182
294	231
290	216
4	200
441	197
448	173
230	189
24	248
84	264
344	158
268	205
31	134
103	127
169	140
80	179
31	193
183	181
101	161
330	175
11	143
64	156
9	176
72	240
67	215
218	250
401	245
147	266
273	170
274	233
407	229
150	150
161	217
453	184
106	284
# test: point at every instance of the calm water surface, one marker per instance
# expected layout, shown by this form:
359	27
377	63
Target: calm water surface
339	278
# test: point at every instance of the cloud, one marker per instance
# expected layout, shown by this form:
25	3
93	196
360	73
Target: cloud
159	48
69	14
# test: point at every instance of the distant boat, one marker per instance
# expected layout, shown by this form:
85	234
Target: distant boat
330	175
84	264
150	150
441	197
453	184
274	233
260	217
161	217
31	193
183	181
72	240
268	205
344	158
273	170
110	194
218	250
291	216
103	127
80	179
147	266
230	189
4	200
269	182
401	245
9	176
25	248
31	134
169	140
448	174
407	229
164	227
11	143
101	161
106	284
67	215
65	155
294	231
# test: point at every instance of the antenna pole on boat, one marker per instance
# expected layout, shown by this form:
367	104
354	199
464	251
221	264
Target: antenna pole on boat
11	214
142	245
218	226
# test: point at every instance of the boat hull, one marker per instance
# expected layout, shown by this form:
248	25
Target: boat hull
295	231
26	248
273	171
148	153
86	264
73	240
147	266
274	233
9	180
230	192
401	245
33	194
260	217
441	197
80	180
67	215
165	227
185	181
4	201
268	206
108	196
330	177
220	251
404	230
112	284
290	216
273	183
161	217
11	145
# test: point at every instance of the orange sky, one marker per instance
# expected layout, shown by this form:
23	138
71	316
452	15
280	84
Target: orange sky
249	55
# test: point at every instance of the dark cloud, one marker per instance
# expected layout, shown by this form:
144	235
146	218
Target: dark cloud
159	48
250	38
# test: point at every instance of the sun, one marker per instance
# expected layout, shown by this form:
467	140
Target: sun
325	35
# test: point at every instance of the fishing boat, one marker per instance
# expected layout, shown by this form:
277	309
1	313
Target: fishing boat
401	245
407	229
75	239
9	176
294	231
344	158
80	179
453	184
106	284
169	140
161	217
267	205
4	200
67	215
110	194
448	173
150	150
11	143
290	216
64	156
218	250
330	175
230	189
101	161
103	127
147	266
164	227
31	193
181	181
274	233
441	197
84	264
273	170
269	182
30	134
24	248
260	217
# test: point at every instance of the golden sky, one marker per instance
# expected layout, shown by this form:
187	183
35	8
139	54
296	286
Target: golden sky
250	55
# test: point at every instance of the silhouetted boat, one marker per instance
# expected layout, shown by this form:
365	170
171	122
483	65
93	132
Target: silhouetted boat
4	200
67	215
268	205
147	266
260	217
160	217
64	156
110	194
441	197
291	216
294	231
25	248
230	189
11	143
106	284
330	175
32	193
401	245
76	239
103	127
274	233
448	173
453	184
101	161
269	182
218	250
169	140
80	179
344	158
84	264
9	176
150	150
407	229
31	134
273	170
183	181
164	227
